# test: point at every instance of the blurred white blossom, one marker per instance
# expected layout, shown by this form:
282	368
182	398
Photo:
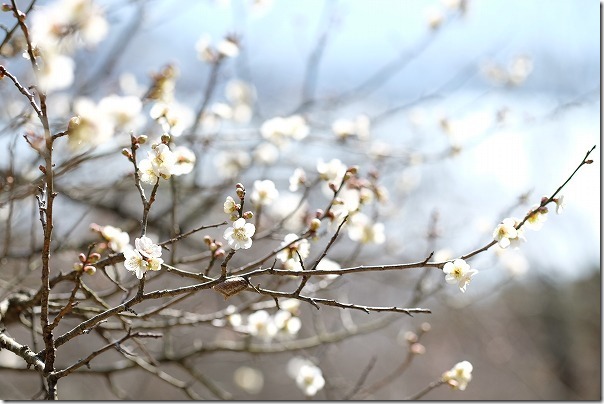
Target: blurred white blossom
264	193
459	377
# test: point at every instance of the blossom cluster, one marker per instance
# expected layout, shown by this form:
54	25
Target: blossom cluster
144	257
163	163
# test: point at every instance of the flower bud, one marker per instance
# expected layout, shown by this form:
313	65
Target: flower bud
425	327
94	258
207	240
417	349
82	257
319	213
77	266
142	139
353	170
6	7
90	270
220	253
248	215
410	336
126	153
315	224
165	138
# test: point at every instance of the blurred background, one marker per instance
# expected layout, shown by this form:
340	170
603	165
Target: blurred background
479	108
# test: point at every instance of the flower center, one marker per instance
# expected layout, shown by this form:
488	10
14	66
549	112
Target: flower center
239	234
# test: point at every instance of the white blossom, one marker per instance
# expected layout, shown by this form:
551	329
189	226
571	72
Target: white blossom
307	375
506	233
280	130
264	192
298	178
185	160
536	218
125	111
559	204
147	172
56	72
459	377
229	205
230	163
240	234
287	323
333	171
362	229
162	159
459	272
117	239
301	247
266	153
261	324
145	257
90	127
147	248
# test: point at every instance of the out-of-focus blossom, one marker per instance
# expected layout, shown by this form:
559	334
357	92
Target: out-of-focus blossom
264	193
261	324
231	163
91	126
266	153
344	128
249	379
124	111
307	375
117	239
280	130
459	377
298	178
536	218
185	160
300	247
362	229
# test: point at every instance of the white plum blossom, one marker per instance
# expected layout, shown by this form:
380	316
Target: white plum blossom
230	163
261	324
66	24
147	172
147	248
287	324
90	127
56	72
125	111
333	171
145	257
301	247
359	127
264	192
185	160
505	232
117	239
240	234
298	178
459	272
240	92
362	229
536	218
266	153
162	159
559	204
293	265
249	379
307	375
280	130
229	205
459	377
173	117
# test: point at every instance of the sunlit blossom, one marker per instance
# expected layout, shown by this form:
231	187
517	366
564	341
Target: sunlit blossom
300	247
117	239
459	272
264	192
459	377
240	234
